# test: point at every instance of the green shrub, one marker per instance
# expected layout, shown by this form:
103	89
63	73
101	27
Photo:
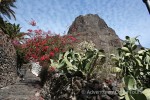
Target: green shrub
71	62
135	69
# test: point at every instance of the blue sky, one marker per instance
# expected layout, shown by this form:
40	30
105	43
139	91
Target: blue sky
126	17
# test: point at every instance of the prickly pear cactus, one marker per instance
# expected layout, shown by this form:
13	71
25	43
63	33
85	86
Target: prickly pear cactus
71	61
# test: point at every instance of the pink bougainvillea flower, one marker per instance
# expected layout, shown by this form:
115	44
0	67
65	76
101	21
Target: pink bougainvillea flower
43	42
37	44
49	32
45	57
37	50
29	30
45	48
51	54
56	49
38	32
73	38
33	23
34	56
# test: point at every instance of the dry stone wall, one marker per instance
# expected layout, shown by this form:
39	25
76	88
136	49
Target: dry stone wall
7	61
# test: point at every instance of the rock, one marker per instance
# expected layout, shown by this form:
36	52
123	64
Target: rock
92	27
7	61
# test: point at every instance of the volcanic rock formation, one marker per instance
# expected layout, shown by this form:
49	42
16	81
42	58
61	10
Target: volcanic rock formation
92	28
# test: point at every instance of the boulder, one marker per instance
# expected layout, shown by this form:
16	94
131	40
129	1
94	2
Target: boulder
7	61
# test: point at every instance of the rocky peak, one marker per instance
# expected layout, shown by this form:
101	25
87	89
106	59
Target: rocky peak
92	27
87	23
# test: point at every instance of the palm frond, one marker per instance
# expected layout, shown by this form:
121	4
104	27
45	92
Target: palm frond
5	8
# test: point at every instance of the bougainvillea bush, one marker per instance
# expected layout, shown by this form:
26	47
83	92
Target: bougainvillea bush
44	46
40	46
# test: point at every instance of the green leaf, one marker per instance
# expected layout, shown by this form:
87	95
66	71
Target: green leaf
125	49
133	40
146	92
139	62
72	68
141	51
128	97
88	65
148	59
60	65
114	59
134	47
137	95
60	56
147	67
122	92
115	69
112	55
127	38
130	82
121	97
100	55
127	54
141	57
